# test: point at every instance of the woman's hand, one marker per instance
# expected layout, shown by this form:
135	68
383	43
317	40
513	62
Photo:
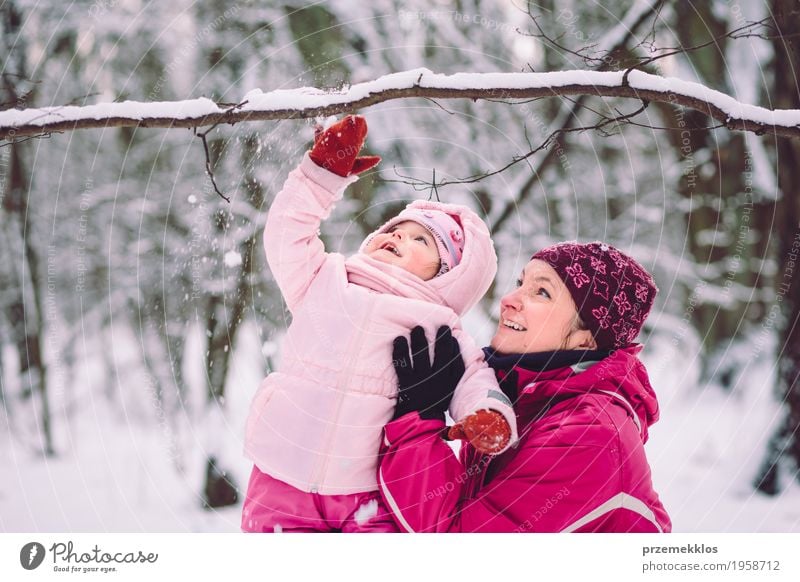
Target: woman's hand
336	148
424	387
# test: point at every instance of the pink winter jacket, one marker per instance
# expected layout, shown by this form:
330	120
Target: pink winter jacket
317	422
579	466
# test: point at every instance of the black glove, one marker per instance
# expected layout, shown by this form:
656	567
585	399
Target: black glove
422	387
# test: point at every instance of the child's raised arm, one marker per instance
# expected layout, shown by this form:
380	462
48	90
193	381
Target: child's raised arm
291	241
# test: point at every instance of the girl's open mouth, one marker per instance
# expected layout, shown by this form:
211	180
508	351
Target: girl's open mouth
387	246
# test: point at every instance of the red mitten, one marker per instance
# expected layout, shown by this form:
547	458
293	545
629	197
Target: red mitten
336	149
486	430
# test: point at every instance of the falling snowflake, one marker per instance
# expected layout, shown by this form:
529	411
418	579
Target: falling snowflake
232	259
269	349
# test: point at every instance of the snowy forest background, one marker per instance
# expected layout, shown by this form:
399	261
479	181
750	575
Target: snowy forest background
137	315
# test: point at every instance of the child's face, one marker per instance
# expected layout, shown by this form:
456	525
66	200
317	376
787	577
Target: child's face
408	245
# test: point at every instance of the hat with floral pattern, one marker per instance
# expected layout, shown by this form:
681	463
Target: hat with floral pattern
613	293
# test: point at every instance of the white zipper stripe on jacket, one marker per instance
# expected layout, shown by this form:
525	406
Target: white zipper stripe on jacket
628	405
393	504
619	501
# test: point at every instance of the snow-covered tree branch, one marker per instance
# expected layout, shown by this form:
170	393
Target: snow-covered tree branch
308	102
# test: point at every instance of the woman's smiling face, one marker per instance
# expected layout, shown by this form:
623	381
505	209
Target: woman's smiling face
539	315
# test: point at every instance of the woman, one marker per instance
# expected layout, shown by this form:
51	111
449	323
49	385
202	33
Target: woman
564	355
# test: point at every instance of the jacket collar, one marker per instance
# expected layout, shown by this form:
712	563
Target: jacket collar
543	379
542	361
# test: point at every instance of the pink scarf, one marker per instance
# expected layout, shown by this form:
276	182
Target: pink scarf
382	277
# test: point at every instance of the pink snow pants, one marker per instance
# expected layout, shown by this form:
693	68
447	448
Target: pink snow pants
274	506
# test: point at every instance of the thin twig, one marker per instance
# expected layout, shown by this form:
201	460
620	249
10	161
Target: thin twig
440	106
434	189
418	184
43	135
84	97
744	31
209	169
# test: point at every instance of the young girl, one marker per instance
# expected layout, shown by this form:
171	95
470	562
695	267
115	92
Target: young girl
315	426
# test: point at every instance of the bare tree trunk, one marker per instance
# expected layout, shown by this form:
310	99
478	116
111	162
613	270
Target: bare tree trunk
25	313
2	378
223	325
783	450
724	213
23	309
159	358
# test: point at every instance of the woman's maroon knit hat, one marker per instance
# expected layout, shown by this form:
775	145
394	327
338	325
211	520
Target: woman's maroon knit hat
613	293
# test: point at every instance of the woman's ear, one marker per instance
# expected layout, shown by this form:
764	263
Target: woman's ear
582	340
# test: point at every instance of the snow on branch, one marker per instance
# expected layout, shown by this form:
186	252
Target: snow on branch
307	102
